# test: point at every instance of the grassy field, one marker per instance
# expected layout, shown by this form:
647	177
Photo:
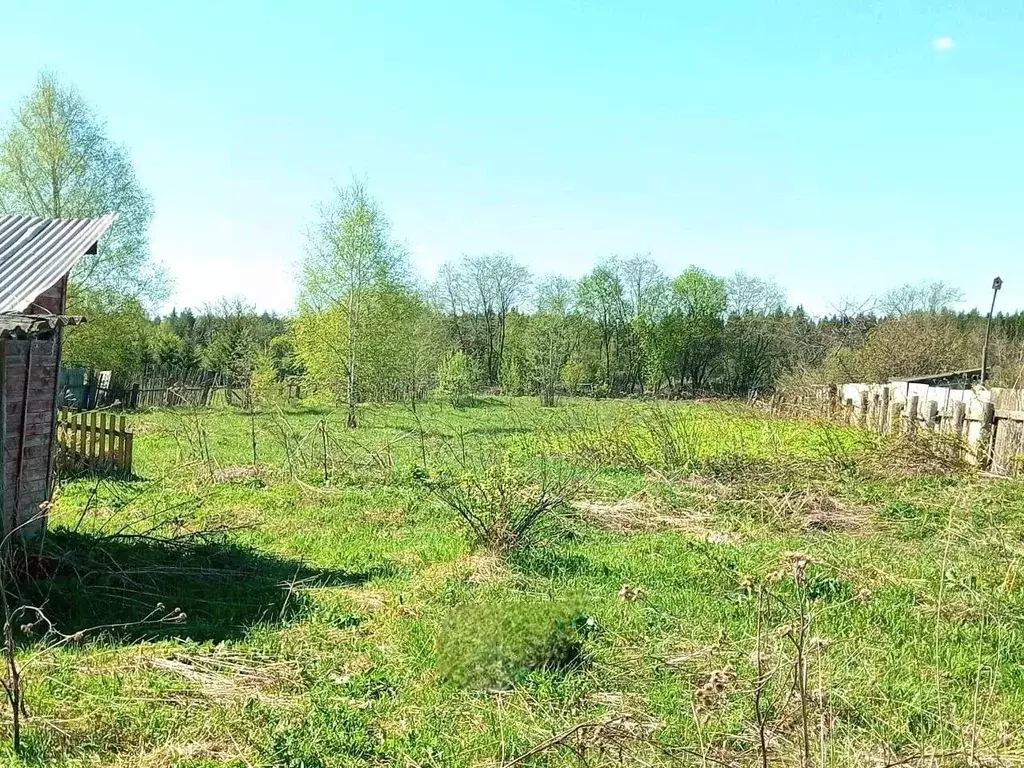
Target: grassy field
718	588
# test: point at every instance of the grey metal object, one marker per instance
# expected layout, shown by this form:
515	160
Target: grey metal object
35	253
14	325
996	285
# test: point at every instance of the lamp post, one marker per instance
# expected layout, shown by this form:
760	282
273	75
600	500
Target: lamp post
996	285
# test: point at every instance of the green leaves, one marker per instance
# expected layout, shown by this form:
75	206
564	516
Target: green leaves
57	161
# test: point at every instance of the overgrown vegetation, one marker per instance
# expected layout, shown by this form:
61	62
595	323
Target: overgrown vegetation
718	588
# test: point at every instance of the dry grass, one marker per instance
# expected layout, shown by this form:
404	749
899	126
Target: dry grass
645	514
474	568
810	509
235	474
212	752
225	676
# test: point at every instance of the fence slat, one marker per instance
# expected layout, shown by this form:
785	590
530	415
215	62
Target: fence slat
81	443
94	440
102	455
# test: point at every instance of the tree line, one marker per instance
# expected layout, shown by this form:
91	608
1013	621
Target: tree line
626	328
366	327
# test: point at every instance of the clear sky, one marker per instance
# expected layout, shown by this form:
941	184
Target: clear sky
838	147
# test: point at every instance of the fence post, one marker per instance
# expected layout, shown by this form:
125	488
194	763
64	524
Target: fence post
895	413
911	425
985	439
932	415
883	411
959	414
833	400
862	417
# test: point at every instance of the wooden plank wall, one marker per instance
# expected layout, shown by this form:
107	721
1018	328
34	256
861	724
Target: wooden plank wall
29	388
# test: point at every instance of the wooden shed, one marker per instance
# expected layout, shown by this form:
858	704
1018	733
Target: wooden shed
36	256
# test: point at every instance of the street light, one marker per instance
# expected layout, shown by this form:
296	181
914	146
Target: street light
996	285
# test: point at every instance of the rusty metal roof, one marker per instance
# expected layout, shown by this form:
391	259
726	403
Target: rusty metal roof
14	325
35	253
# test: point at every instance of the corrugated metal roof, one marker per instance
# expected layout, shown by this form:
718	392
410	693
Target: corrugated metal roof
35	253
14	325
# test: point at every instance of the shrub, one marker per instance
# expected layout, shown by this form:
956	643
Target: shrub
511	377
456	379
505	507
572	377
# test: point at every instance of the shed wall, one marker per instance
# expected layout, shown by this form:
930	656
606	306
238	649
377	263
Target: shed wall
29	385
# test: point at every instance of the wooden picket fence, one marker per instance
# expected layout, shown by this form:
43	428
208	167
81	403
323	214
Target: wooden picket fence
94	441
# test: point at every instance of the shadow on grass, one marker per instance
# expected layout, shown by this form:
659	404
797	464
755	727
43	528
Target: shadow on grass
95	581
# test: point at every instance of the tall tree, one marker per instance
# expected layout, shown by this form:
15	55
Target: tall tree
645	298
57	161
753	295
692	331
554	334
927	296
349	262
601	298
497	283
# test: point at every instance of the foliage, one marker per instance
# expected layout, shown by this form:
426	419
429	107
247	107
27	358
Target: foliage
691	339
480	294
117	337
504	507
57	161
910	345
394	349
457	379
553	336
487	646
571	376
928	297
352	274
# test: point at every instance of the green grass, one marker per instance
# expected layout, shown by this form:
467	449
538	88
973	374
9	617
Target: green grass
348	622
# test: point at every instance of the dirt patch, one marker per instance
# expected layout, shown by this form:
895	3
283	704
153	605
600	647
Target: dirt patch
394	516
138	428
473	569
368	601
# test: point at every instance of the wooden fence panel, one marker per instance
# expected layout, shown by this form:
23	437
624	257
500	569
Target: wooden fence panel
93	441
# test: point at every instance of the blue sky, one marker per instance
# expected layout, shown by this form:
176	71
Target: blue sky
838	147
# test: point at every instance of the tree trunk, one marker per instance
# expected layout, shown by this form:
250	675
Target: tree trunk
351	394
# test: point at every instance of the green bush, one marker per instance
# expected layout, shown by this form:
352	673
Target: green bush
572	377
504	507
500	645
457	379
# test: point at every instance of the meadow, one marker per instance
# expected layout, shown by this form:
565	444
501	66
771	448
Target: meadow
703	585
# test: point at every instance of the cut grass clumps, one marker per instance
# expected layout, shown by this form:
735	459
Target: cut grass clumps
487	646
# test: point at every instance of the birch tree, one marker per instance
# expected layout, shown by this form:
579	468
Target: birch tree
601	298
554	335
350	260
56	161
